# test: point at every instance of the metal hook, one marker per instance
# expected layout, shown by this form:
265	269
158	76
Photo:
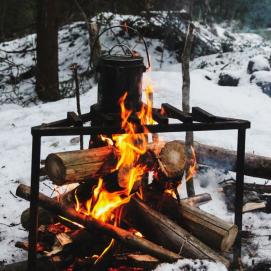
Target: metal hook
122	46
121	26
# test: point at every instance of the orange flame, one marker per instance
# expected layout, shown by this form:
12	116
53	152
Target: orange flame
129	147
108	140
104	205
193	166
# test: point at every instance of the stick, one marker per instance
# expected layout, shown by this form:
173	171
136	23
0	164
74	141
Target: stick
186	100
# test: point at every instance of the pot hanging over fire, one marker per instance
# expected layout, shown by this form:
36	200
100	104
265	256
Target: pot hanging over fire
120	73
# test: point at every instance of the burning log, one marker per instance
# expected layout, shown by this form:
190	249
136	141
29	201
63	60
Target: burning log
210	229
157	227
91	223
77	166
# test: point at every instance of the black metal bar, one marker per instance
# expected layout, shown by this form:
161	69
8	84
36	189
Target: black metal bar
158	117
239	191
65	122
95	130
173	112
201	115
77	122
74	119
35	171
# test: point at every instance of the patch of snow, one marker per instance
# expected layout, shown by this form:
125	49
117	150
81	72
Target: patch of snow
262	76
187	265
259	63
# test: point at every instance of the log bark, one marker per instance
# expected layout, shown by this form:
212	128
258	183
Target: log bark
91	223
157	227
210	229
255	165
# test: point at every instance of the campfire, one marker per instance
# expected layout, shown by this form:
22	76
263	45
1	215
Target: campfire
126	212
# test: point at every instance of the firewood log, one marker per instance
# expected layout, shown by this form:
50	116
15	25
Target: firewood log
77	166
172	159
83	192
157	227
255	165
210	229
91	223
197	200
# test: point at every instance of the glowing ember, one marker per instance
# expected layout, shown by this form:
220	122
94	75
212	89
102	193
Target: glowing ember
193	166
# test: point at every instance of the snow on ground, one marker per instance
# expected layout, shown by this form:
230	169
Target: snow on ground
187	265
245	101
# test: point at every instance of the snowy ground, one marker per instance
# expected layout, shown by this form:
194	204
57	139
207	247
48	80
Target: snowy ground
245	101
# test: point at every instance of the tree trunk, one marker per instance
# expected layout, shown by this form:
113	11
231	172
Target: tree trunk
3	10
93	30
47	82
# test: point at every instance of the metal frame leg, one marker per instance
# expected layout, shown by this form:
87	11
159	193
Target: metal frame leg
239	191
35	173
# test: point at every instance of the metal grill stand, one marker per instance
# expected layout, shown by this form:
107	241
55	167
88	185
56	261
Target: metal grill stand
198	120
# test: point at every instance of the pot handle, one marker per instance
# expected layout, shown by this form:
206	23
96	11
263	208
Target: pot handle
121	26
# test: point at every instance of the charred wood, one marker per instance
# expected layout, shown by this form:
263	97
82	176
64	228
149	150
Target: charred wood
91	223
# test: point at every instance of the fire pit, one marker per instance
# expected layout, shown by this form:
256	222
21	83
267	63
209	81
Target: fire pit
120	124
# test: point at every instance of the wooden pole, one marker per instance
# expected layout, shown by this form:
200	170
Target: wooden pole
186	100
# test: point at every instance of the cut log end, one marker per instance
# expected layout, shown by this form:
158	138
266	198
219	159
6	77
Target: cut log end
55	168
229	239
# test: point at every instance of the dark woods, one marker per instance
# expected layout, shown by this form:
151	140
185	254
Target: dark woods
18	17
